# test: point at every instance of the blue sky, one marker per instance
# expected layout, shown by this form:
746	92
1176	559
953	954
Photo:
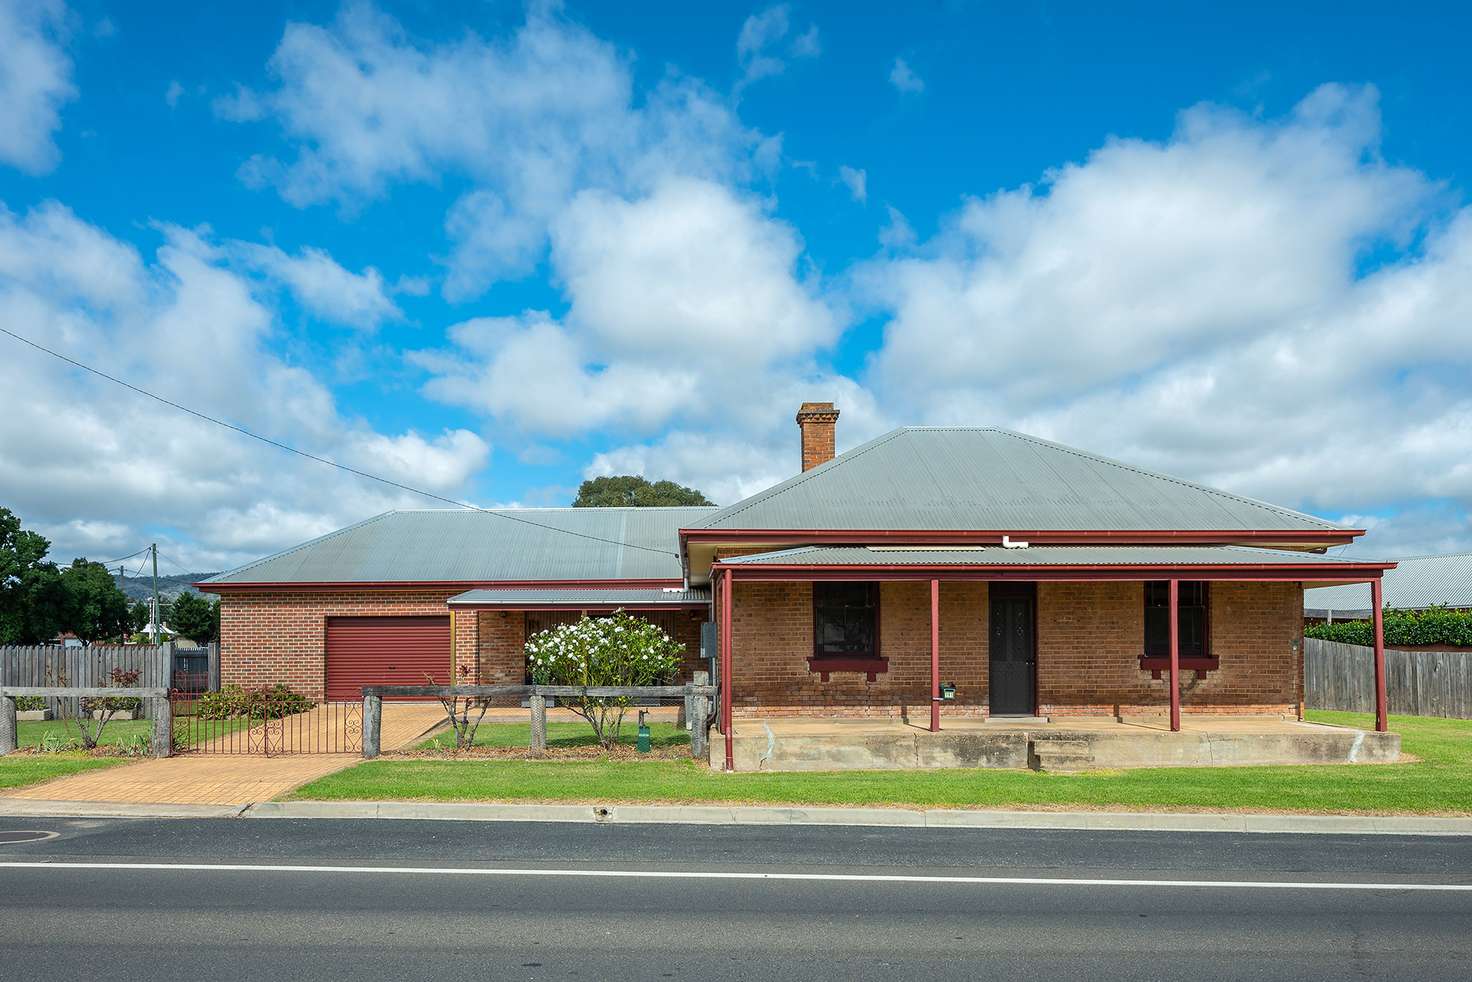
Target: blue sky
491	250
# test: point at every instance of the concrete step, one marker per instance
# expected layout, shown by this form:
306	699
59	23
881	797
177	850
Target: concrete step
1061	762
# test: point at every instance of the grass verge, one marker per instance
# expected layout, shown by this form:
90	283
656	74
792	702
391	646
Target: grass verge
560	735
1440	782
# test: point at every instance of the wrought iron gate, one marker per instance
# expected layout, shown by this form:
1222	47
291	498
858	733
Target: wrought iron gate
265	723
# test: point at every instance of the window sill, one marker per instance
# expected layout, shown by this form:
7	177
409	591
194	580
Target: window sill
869	666
1159	666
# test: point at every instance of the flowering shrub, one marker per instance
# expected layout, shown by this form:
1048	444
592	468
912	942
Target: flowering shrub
617	650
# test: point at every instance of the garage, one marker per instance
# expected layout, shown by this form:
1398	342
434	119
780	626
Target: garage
386	651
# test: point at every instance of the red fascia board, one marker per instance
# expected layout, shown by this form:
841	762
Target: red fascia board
1053	536
575	608
1245	571
461	585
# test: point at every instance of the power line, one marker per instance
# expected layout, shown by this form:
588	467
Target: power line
130	555
323	460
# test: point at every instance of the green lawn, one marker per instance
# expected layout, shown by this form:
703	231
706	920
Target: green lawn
18	770
560	734
34	733
1439	783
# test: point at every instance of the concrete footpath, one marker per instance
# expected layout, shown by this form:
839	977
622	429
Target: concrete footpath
755	815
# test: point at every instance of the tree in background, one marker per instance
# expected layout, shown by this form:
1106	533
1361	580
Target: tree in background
633	491
138	616
32	597
195	618
96	609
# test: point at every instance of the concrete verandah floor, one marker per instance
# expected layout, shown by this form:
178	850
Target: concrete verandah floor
202	778
1060	744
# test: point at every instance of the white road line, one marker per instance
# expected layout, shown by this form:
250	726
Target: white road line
635	874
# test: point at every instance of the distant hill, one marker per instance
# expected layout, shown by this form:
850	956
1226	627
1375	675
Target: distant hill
141	587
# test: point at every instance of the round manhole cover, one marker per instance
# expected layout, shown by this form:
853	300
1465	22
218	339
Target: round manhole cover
25	835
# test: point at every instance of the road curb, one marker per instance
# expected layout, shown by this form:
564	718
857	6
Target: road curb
37	808
597	814
892	817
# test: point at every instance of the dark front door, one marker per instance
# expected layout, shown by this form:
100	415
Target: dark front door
1013	652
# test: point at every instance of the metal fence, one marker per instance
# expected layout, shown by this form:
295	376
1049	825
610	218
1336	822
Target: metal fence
1417	683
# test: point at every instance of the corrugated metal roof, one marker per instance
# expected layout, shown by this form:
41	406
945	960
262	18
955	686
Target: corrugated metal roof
1033	556
584	597
958	478
463	545
1415	584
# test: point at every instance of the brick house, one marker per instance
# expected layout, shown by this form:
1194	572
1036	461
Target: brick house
958	573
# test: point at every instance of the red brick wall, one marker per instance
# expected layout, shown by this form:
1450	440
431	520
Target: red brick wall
1090	637
772	632
281	636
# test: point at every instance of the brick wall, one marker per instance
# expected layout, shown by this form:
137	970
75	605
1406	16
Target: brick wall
281	636
1090	637
772	632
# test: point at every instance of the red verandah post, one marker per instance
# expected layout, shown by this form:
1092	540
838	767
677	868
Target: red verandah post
935	656
1381	723
1175	657
725	630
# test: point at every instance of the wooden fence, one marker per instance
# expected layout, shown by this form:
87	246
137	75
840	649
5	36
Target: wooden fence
1417	683
86	667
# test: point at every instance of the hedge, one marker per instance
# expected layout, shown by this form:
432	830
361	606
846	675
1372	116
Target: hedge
1436	625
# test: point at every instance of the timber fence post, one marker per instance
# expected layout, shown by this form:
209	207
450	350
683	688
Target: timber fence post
163	727
372	723
539	723
8	732
699	726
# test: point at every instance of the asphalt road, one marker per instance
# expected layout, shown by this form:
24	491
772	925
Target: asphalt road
381	899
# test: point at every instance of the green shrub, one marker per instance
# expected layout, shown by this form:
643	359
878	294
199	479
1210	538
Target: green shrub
1435	625
29	704
259	702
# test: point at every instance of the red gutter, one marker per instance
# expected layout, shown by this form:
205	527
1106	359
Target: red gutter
1132	571
1055	536
462	585
591	608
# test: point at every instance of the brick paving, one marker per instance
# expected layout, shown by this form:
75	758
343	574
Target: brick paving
219	779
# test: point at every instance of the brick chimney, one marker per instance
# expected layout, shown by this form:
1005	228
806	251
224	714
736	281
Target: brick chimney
818	422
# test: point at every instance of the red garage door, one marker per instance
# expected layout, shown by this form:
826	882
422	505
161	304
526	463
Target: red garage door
385	651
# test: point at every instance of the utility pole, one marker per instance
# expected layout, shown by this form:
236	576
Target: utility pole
154	548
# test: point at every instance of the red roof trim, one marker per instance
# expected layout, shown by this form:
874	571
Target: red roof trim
1134	571
460	585
1056	536
590	608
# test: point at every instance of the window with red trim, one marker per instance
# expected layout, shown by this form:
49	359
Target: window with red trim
1191	627
845	620
846	630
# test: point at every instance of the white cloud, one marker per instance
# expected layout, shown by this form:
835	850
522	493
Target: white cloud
35	82
766	42
186	324
240	105
691	271
903	77
529	119
897	232
1201	305
856	180
173	93
321	285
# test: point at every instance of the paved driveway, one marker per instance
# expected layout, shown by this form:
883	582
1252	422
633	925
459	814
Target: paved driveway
230	779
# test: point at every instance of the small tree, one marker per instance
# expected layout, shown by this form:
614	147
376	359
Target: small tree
465	713
96	713
618	650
